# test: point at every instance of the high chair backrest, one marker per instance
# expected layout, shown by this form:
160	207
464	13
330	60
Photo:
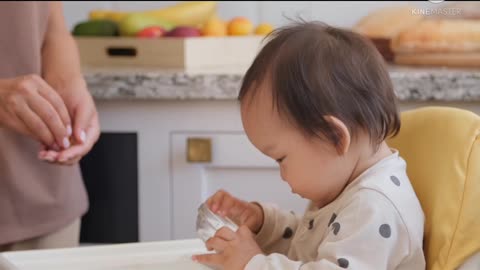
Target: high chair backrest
441	146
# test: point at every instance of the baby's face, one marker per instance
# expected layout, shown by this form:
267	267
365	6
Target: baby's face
312	167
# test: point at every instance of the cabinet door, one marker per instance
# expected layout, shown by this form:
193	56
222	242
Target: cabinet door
236	166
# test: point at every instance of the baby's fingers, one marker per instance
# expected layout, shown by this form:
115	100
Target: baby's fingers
215	201
238	209
209	259
227	204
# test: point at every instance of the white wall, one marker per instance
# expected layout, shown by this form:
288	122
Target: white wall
341	13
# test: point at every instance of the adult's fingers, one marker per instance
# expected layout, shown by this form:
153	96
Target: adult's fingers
48	93
48	114
35	124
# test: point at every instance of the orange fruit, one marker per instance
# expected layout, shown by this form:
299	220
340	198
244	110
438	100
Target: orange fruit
240	26
263	29
214	27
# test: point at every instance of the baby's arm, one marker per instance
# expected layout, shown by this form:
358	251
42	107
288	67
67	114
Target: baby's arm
277	230
364	235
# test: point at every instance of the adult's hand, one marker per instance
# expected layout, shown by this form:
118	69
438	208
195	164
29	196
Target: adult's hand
28	105
86	127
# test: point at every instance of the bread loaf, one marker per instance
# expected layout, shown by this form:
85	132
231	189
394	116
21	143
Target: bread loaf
387	22
439	36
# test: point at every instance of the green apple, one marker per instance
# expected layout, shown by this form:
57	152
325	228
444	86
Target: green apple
135	22
99	27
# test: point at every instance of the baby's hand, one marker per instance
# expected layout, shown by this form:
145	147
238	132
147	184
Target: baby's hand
233	249
241	212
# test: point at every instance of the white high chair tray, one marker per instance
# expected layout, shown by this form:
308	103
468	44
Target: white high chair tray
173	255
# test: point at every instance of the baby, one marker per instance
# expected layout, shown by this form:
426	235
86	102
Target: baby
319	101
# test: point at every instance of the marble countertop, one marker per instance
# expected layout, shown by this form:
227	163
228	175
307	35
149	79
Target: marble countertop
410	84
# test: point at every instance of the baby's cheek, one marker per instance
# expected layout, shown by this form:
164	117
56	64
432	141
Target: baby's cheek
289	176
295	177
309	181
283	174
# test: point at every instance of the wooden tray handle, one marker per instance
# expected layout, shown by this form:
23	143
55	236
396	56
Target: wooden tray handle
121	51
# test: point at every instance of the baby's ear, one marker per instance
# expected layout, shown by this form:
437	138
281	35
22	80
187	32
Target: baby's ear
343	133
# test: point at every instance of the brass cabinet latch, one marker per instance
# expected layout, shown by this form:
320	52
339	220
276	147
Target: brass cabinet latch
199	150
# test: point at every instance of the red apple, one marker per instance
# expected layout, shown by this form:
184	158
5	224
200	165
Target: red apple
184	31
151	32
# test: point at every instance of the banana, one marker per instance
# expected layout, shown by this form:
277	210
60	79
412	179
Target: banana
115	16
186	13
98	14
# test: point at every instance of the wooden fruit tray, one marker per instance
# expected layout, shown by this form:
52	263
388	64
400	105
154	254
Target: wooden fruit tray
168	52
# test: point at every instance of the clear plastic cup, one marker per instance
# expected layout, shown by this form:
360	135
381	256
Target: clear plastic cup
208	223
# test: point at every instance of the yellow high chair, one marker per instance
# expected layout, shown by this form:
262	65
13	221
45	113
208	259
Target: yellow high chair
441	146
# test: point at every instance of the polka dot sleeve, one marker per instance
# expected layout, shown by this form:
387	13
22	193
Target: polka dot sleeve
277	231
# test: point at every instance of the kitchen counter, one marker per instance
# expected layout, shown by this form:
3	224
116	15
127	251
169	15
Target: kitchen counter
410	84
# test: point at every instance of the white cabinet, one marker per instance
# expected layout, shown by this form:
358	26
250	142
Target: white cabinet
235	166
171	188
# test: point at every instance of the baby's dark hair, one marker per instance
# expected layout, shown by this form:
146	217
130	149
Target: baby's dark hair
317	70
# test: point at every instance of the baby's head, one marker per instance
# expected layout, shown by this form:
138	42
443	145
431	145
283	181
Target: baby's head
318	99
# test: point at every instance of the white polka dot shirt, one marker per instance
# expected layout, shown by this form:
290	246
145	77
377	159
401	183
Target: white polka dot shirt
376	223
